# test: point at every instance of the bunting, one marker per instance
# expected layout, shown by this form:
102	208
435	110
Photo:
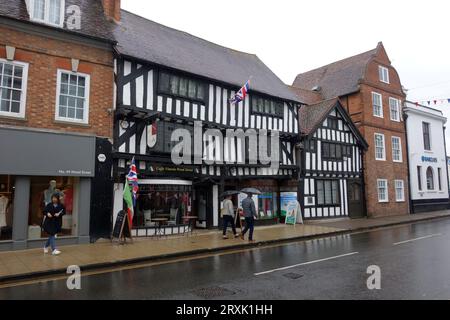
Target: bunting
433	102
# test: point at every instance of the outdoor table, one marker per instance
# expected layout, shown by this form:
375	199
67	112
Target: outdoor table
191	222
159	223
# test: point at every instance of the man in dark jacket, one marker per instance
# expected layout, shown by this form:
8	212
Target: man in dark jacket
248	206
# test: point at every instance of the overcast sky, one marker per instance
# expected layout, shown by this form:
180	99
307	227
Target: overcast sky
294	36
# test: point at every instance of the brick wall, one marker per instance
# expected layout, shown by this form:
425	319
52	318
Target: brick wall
360	108
45	55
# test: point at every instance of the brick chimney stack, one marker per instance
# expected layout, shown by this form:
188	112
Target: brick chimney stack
112	9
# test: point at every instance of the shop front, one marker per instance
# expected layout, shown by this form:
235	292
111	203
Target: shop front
173	198
271	203
35	166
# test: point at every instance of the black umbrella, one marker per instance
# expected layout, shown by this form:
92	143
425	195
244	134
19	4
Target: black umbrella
229	193
251	190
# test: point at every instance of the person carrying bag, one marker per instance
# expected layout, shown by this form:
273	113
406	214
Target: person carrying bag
52	223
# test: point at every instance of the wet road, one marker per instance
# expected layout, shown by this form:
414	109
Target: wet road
414	261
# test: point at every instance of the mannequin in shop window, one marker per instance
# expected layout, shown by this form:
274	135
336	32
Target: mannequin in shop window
48	193
4	201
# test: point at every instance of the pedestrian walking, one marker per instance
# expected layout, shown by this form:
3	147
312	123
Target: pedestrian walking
248	206
228	217
52	223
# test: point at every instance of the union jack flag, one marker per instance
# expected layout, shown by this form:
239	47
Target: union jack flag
241	94
133	180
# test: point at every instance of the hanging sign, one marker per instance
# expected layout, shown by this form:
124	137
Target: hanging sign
152	134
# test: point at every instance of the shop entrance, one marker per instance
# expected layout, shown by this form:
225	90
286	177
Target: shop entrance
203	205
355	199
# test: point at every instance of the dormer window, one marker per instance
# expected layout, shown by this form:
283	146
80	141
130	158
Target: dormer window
384	74
47	11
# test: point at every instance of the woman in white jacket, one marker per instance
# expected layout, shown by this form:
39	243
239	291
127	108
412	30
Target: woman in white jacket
228	217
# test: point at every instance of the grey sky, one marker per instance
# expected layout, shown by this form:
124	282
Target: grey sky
296	36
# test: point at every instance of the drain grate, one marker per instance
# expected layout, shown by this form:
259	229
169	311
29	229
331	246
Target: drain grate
213	292
293	276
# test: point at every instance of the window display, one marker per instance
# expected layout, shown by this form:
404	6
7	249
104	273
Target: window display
6	207
265	204
162	201
42	189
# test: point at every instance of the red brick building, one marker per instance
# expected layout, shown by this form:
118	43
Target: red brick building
56	107
369	88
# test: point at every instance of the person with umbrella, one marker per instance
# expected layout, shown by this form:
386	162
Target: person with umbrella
228	215
249	208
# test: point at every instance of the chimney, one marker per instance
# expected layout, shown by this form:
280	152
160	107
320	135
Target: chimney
112	9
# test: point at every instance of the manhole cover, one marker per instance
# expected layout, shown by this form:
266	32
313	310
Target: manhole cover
213	292
293	276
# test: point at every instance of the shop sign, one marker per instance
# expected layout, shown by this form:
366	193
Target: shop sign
429	159
161	169
37	153
101	158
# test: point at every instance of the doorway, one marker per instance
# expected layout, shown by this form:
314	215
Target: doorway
355	199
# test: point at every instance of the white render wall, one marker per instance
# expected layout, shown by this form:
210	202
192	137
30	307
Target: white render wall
417	115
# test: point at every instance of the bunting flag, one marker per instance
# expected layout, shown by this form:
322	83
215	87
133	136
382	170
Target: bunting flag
132	178
128	198
433	102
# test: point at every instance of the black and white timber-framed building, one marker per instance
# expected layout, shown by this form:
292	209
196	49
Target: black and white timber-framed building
167	79
332	180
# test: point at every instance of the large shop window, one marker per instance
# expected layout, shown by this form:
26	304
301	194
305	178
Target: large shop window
182	87
13	88
162	201
6	207
328	192
42	190
267	106
73	97
266	204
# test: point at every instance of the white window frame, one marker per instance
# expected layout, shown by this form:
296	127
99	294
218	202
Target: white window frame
386	200
382	72
429	137
384	147
381	115
400	147
87	96
397	199
23	98
47	13
398	109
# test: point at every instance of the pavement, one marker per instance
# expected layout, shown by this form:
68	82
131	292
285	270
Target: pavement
20	265
410	261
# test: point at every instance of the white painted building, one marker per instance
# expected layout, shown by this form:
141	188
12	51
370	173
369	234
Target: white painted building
428	170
